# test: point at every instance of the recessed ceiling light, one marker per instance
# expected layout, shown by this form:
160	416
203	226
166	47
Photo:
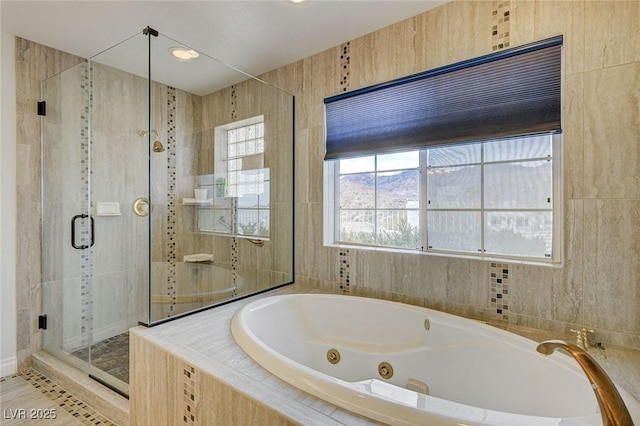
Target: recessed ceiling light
297	1
183	53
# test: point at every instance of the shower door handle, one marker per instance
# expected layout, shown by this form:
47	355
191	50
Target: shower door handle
73	232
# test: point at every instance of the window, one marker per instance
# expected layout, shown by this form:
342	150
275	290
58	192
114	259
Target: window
240	183
403	170
378	200
493	198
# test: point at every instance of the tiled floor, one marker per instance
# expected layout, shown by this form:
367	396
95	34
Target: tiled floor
31	398
110	355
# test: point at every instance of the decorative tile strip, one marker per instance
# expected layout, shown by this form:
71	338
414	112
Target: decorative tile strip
345	66
500	24
86	170
500	290
344	270
171	196
234	103
188	395
234	210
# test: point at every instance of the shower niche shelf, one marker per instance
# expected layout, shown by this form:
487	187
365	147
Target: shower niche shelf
108	209
194	202
197	258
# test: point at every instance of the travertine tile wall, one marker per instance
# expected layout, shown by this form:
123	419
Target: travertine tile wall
597	286
599	283
258	267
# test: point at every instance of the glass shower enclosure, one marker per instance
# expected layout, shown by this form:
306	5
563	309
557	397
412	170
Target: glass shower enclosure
167	182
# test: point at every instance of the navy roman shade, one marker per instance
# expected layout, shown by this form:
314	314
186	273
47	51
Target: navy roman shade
511	92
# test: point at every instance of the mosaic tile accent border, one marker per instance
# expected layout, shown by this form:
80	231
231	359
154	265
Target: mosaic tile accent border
234	102
500	290
86	256
345	66
500	24
189	395
171	197
234	209
78	409
344	270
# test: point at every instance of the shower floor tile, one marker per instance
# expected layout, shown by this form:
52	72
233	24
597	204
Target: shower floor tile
110	355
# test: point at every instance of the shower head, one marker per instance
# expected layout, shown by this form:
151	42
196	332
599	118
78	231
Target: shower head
157	146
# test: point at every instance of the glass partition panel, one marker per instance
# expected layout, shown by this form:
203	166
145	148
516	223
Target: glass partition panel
66	226
119	162
221	182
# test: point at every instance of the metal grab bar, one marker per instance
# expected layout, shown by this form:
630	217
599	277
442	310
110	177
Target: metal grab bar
612	408
257	242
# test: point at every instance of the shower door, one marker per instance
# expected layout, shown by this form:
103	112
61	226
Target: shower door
66	225
95	248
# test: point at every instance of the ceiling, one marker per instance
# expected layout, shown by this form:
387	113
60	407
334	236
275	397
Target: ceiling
252	36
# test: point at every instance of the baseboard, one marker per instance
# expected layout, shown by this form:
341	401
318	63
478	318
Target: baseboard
8	366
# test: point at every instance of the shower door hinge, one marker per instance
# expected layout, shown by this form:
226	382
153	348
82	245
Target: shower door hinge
42	322
151	31
42	108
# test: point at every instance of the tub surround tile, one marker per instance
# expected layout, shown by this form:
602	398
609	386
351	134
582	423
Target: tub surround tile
225	369
301	165
573	137
284	388
575	39
227	372
612	264
569	303
372	269
553	18
432	41
611	137
612	37
466	283
316	164
217	377
536	297
476	29
472	312
523	22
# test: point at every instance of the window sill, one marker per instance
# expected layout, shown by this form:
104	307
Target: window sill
510	260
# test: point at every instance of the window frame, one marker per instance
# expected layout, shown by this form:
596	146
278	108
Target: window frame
221	152
332	210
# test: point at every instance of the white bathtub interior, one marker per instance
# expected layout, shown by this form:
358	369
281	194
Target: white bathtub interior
471	369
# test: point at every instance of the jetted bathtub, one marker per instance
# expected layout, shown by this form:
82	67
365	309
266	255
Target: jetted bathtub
406	365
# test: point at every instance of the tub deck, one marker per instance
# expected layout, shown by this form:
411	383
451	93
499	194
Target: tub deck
201	358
